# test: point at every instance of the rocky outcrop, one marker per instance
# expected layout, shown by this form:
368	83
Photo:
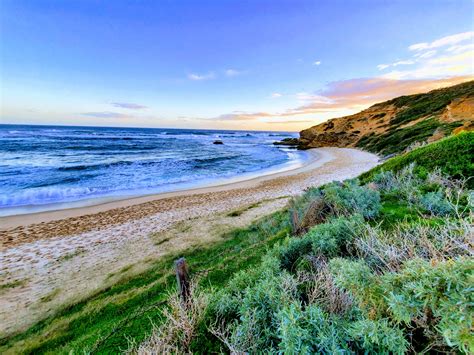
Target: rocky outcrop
292	142
406	119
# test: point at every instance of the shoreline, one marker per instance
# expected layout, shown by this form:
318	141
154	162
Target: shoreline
56	259
315	159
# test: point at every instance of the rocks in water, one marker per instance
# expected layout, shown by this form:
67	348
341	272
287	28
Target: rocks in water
218	142
288	142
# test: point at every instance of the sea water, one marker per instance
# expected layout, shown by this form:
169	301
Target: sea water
47	165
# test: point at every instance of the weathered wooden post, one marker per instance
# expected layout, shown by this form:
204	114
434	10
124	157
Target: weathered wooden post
182	276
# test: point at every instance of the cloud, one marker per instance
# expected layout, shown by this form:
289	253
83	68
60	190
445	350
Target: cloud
289	122
304	96
127	105
318	62
232	72
444	57
198	77
444	41
428	54
241	116
105	114
276	95
396	64
346	96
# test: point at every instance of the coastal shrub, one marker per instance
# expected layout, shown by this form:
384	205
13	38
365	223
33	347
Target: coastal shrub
327	239
435	298
310	331
404	184
179	326
387	250
349	198
255	328
378	337
308	210
356	277
436	203
450	155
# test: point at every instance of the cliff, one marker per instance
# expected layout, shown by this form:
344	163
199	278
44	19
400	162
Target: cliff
392	126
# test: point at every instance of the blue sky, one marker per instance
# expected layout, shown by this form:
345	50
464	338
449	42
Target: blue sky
271	65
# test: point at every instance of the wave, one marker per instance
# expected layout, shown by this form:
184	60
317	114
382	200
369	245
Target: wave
45	195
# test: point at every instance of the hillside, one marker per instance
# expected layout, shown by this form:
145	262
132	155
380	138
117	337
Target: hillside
392	126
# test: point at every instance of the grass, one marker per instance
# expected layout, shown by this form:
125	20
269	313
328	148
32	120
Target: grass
104	322
416	106
398	139
12	284
50	296
237	213
451	155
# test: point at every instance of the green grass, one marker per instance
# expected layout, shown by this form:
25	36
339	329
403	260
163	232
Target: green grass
237	213
398	139
12	284
416	106
104	322
453	155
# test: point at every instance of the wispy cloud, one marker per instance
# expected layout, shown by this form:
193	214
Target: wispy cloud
232	72
305	96
128	105
444	41
447	56
198	77
105	114
289	122
276	95
318	62
396	64
345	96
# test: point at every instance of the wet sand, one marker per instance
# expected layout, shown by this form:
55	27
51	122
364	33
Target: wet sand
52	259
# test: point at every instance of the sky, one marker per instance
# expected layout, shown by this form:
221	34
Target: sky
223	64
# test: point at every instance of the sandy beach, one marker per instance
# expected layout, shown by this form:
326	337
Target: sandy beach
53	259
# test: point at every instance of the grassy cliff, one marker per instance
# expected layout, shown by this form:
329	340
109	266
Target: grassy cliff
392	126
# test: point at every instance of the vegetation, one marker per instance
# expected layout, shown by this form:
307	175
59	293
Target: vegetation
453	155
378	272
108	321
396	140
379	264
421	105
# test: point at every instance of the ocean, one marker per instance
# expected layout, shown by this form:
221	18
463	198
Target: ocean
42	166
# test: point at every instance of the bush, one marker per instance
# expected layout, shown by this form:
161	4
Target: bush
327	239
436	203
349	198
310	331
451	155
378	337
434	298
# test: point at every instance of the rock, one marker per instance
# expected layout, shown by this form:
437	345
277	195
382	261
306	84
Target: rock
218	142
288	141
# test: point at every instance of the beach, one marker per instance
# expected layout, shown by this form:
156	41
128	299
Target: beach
53	259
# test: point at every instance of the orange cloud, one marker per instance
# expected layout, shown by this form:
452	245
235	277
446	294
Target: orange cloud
350	95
